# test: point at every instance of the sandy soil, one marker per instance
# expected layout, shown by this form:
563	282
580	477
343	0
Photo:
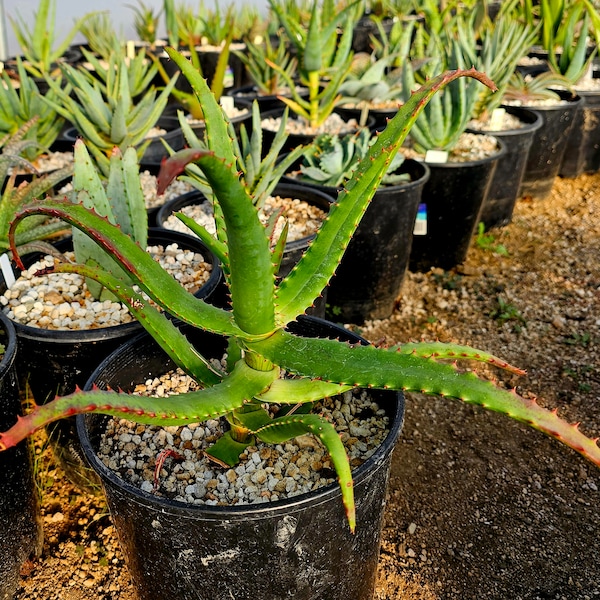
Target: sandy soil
479	507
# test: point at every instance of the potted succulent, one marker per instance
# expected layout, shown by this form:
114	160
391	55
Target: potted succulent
462	166
23	104
259	347
40	52
323	64
267	83
368	280
374	84
105	114
500	46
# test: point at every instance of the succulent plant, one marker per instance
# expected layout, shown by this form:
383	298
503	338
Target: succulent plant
101	35
261	168
140	71
331	160
145	22
107	116
24	104
323	60
31	233
259	59
260	348
525	88
445	118
496	51
119	200
38	43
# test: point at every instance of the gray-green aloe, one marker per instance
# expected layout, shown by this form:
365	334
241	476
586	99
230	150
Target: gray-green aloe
260	348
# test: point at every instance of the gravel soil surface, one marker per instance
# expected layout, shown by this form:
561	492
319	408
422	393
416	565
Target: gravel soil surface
479	507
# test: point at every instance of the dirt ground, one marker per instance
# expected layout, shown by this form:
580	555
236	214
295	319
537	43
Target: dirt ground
479	507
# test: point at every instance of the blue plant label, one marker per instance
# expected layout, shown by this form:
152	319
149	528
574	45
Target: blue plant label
421	221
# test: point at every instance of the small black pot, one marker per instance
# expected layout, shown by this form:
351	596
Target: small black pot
297	548
452	200
582	152
21	534
369	278
548	147
504	189
55	362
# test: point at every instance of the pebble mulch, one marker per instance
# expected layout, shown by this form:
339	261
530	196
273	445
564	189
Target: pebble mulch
265	473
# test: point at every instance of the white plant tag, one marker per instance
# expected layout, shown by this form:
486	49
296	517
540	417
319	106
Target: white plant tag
7	272
421	221
130	49
436	156
497	119
227	103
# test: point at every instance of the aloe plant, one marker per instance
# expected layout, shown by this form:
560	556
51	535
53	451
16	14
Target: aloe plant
259	59
101	35
331	160
260	348
24	104
145	22
497	51
323	60
107	116
140	71
120	200
445	118
38	43
32	233
526	89
261	167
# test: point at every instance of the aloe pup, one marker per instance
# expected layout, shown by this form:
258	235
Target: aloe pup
260	347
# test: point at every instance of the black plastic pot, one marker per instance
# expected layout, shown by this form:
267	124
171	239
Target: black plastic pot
297	548
21	532
55	362
548	147
249	93
369	278
582	152
293	248
504	189
452	201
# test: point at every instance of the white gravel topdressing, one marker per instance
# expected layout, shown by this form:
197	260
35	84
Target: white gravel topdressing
265	473
62	300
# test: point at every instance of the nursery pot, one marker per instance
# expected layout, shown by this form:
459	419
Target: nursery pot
368	280
582	152
504	189
54	362
21	532
450	206
548	147
297	548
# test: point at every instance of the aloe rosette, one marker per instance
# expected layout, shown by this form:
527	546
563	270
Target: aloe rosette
260	348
